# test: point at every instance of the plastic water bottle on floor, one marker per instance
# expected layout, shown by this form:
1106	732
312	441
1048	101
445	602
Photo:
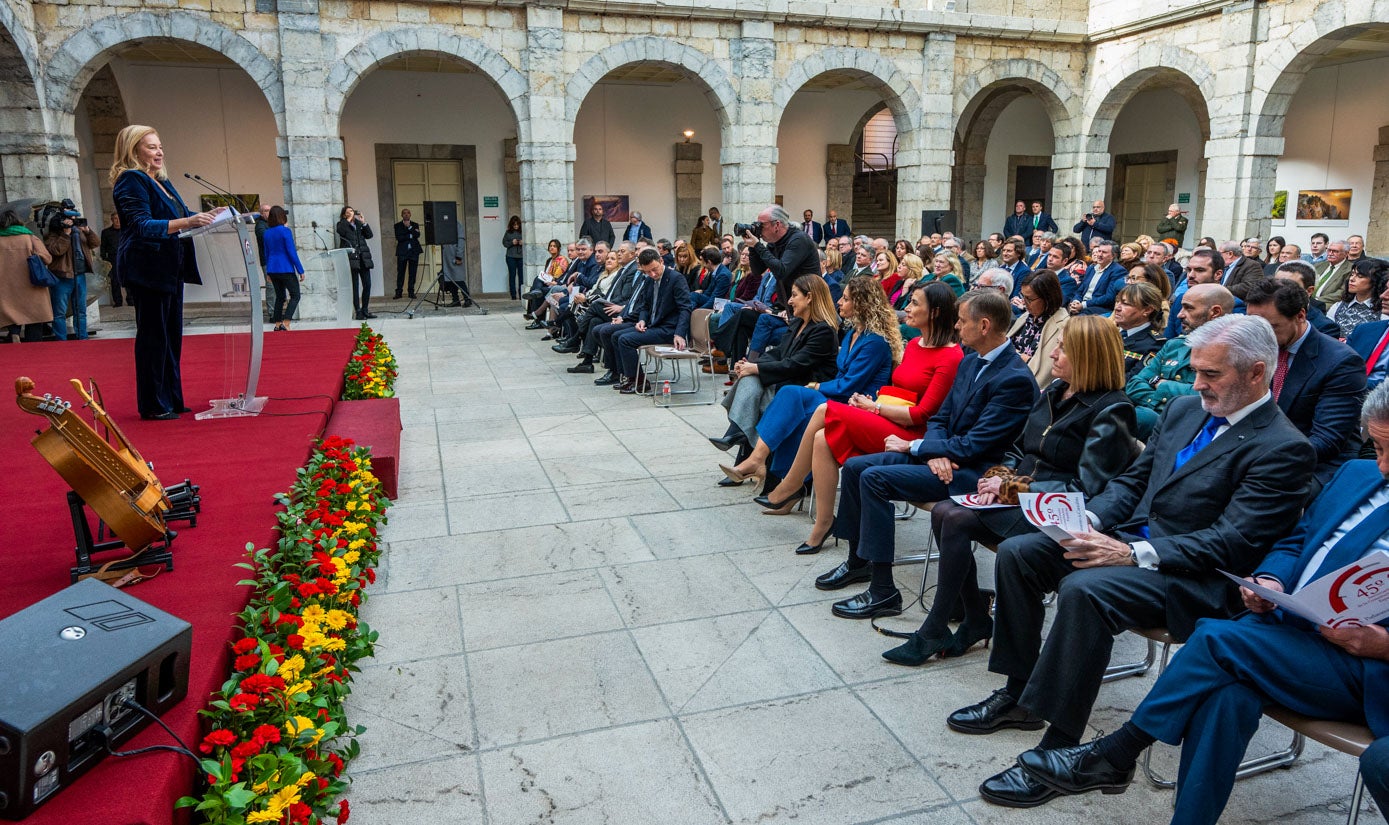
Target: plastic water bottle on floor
665	392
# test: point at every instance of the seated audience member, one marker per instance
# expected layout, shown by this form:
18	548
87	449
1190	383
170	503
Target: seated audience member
713	278
555	268
806	353
1130	255
1169	373
1202	267
984	257
603	318
1037	251
1223	476
885	269
1161	253
687	262
1210	698
910	269
866	358
953	246
1273	251
1239	270
1094	294
901	247
946	268
861	259
568	320
753	300
737	260
1369	343
663	317
1037	332
583	272
1360	295
1151	274
1010	256
838	431
1078	436
1319	382
832	269
1301	272
1331	272
980	419
1138	313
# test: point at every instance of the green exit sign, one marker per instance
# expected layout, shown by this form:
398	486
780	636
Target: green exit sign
1184	197
491	201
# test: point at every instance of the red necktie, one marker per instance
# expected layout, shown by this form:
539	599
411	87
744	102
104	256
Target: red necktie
1374	358
1280	373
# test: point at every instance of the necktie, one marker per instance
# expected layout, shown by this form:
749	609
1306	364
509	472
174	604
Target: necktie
1357	542
1281	372
1374	358
807	228
1202	439
1036	219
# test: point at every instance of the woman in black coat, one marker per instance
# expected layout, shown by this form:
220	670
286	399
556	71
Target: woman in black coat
808	352
154	264
353	232
1078	436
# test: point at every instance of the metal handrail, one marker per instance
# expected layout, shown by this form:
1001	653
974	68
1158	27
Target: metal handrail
873	171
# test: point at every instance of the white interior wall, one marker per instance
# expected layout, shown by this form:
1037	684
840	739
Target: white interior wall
1329	137
429	107
624	138
1023	128
89	198
213	122
811	121
1161	120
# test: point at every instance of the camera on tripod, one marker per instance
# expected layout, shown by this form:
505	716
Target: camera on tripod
755	229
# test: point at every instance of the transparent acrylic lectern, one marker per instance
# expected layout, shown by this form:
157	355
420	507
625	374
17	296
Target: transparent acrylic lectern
226	251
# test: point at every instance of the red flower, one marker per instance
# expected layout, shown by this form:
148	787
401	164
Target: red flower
295	641
243	702
299	812
250	661
260	683
266	734
343	812
246	750
246	645
337	763
370	573
217	739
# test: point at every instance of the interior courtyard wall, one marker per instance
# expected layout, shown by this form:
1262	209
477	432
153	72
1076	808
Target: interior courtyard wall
1161	120
810	123
427	108
624	140
1023	128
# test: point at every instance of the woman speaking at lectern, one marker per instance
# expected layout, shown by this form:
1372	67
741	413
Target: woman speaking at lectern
155	264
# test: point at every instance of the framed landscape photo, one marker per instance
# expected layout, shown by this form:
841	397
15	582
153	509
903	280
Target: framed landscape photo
1279	212
615	207
1324	207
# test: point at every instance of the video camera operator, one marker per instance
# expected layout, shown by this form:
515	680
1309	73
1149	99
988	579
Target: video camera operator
72	244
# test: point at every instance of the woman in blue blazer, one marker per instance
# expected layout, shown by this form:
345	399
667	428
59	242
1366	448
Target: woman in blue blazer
866	356
155	264
283	268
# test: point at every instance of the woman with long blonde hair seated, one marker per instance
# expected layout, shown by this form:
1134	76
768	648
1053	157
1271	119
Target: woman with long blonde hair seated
840	431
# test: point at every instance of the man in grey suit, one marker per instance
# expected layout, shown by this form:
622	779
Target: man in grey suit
1331	273
1224	475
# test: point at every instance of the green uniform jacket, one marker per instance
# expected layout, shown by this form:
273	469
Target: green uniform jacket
1165	377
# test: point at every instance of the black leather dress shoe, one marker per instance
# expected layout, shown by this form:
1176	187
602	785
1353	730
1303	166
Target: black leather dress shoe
917	650
1015	789
1075	770
842	576
997	712
566	348
168	416
622	383
582	366
606	379
865	606
535	325
728	442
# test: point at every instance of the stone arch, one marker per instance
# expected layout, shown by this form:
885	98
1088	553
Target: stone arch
81	55
378	48
19	51
718	87
1013	77
1150	65
898	92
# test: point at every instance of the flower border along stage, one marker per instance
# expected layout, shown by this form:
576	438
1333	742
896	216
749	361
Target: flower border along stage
371	371
279	738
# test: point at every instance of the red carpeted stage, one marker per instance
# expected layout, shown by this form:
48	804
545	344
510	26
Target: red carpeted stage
240	464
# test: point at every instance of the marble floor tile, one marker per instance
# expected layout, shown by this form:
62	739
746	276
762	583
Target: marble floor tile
418	625
673	590
412	711
475	514
640	774
535	609
463	478
550	688
697	532
593	468
437	790
781	762
616	498
700	490
410	520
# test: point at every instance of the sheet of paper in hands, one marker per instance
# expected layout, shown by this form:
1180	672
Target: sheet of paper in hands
1058	515
973	502
1355	595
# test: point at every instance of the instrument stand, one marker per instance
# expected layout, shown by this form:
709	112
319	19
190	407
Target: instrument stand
438	289
158	553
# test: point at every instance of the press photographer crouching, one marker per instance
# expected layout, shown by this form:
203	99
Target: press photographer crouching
777	246
72	244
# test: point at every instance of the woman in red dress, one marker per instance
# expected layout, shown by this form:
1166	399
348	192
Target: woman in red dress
839	431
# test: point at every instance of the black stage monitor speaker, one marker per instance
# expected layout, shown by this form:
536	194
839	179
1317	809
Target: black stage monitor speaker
69	664
440	223
937	220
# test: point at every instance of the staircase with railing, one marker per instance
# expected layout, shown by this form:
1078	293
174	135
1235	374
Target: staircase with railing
875	196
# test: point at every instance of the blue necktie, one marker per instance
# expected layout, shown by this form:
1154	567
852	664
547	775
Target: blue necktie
1206	436
1356	543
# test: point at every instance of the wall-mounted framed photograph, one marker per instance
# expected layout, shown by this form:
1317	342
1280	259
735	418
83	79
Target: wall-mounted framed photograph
1279	212
1324	207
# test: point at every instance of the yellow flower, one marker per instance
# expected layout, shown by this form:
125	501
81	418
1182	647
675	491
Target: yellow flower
350	506
262	816
298	688
337	619
313	614
305	779
351	557
356	544
334	645
286	796
290	670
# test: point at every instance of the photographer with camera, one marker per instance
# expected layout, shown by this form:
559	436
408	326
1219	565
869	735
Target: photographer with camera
1096	223
72	244
777	247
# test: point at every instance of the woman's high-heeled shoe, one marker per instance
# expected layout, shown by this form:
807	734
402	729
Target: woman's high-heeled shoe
781	508
967	636
918	649
807	549
735	475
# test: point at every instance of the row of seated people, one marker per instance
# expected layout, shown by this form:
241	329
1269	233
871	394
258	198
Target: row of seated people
1165	520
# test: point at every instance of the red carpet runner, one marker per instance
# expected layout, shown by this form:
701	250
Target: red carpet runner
240	464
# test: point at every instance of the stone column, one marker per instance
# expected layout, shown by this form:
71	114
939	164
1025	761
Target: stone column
749	153
1377	234
546	160
689	183
839	180
1079	178
41	165
968	199
923	155
511	171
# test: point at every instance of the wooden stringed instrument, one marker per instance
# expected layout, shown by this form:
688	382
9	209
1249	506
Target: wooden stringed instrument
111	478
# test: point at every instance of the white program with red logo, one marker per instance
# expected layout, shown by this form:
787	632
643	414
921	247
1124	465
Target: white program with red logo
1354	595
1058	515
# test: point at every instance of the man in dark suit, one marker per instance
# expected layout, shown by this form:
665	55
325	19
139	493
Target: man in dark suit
1040	220
834	227
1211	697
1239	269
1300	272
1096	224
663	317
407	251
1095	293
1331	272
981	417
1318	382
1370	342
1222	477
813	230
713	280
596	226
629	290
1019	223
637	229
1010	255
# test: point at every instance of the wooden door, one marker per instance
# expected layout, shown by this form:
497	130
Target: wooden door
1147	193
417	181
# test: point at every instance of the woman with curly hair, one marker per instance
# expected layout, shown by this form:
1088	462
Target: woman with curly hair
866	357
1362	287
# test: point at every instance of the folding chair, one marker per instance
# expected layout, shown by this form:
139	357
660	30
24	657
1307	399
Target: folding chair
1343	736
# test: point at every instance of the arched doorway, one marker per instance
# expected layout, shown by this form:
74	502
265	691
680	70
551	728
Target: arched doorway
22	147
